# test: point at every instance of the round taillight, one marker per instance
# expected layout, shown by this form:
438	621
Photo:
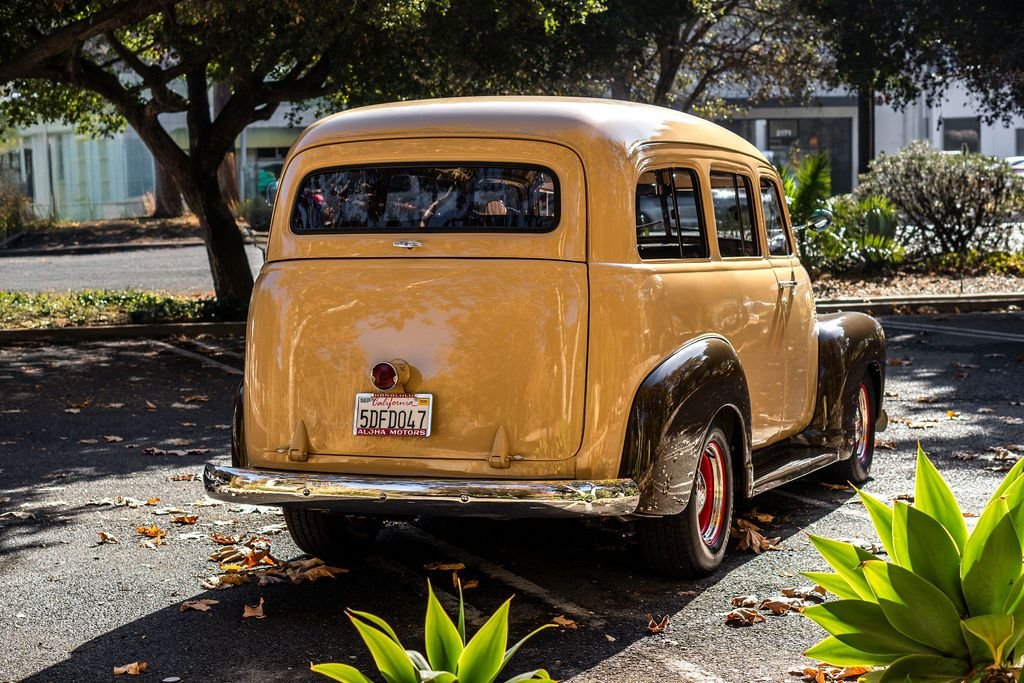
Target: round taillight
384	376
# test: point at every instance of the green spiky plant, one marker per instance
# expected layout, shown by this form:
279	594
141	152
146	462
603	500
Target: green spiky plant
949	607
450	659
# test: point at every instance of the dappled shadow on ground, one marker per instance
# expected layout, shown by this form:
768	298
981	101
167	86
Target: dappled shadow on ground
78	422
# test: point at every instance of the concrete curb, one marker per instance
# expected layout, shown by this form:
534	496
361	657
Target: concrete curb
944	303
107	332
877	305
116	246
97	248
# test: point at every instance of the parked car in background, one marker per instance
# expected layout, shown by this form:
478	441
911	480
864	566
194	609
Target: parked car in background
539	307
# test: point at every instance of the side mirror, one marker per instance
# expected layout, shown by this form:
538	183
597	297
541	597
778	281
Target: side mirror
820	220
271	193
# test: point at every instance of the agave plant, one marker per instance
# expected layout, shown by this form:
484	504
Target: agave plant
950	604
449	659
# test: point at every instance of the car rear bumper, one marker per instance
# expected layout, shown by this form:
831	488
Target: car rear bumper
415	496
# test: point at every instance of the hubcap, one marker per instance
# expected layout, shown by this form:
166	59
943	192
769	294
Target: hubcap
710	493
862	427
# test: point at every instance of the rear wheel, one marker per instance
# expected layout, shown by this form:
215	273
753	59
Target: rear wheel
692	543
330	536
857	468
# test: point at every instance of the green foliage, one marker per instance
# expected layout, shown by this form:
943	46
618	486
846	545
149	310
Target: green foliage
861	238
948	607
978	263
947	203
908	48
105	307
14	206
450	658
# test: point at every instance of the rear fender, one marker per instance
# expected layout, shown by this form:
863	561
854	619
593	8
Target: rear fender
849	346
672	411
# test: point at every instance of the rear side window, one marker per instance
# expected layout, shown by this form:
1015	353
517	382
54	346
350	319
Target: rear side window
441	198
774	223
734	215
669	224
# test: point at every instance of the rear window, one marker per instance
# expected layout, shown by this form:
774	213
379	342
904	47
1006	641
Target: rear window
442	198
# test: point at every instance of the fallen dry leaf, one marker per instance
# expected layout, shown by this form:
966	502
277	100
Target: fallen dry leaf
88	441
885	443
184	406
985	411
899	362
834	487
686	594
782	605
743	616
224	582
202	605
133	669
745	601
762	517
564	622
610	639
927	399
444	566
816	593
201	398
73	411
184	477
750	538
152	531
114	405
254	611
952	414
111	438
221	539
152	501
105	538
969	514
79	404
185	519
470	585
655	626
150	405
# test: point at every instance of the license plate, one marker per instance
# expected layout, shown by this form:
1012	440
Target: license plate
393	414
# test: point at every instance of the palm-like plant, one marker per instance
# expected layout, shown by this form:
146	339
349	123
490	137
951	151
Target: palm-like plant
948	608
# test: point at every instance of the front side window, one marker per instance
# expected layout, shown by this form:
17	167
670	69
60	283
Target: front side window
774	223
734	215
669	224
442	198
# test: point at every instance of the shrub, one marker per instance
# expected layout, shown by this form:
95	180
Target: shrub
948	607
256	213
862	236
449	659
948	203
14	206
92	306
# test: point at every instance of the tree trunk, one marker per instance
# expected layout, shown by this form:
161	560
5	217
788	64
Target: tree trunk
229	263
865	128
168	195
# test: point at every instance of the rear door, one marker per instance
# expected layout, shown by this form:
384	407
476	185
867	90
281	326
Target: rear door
461	258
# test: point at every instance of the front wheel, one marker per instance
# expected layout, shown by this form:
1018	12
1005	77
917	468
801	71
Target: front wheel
329	536
692	544
857	468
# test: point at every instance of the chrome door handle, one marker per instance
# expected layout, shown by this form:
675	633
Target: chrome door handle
407	244
783	284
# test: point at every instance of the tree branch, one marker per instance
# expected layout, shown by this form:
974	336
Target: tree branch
64	39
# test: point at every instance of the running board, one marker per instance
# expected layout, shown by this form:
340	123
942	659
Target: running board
778	465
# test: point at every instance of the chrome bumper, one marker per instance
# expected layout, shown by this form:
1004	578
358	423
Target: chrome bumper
410	497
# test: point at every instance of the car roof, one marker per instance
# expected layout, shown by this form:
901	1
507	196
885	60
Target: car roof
577	122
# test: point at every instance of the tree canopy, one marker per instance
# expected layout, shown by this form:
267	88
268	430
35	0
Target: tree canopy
909	48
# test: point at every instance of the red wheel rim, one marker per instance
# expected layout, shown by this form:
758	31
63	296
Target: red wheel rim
862	426
710	491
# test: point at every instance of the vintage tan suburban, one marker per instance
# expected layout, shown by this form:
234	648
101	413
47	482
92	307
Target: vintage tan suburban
530	307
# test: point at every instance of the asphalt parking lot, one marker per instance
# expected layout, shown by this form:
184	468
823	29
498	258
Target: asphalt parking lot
87	426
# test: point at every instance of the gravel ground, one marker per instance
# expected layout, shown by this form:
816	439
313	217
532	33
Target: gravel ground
907	284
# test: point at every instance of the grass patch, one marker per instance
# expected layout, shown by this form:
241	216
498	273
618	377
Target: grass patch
105	307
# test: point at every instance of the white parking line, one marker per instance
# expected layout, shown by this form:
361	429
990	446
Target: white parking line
832	507
214	349
954	331
196	356
499	573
